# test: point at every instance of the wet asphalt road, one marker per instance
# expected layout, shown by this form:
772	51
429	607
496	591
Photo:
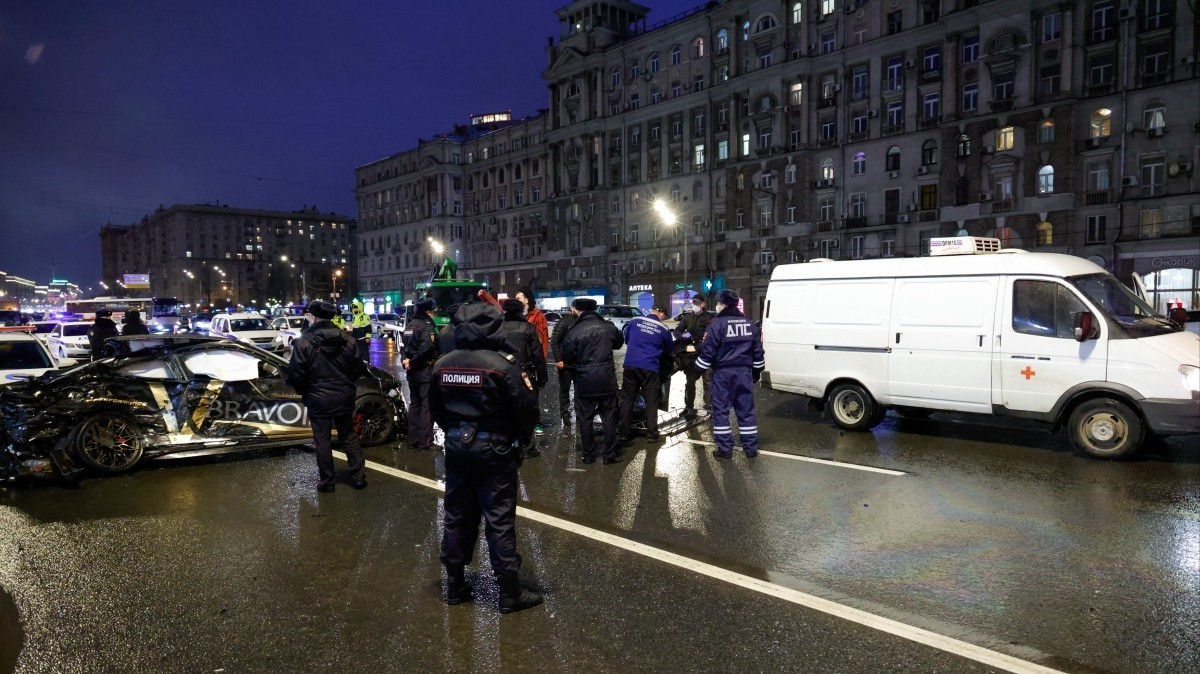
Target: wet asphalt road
995	535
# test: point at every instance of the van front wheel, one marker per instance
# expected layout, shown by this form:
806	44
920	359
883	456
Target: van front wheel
1106	428
854	409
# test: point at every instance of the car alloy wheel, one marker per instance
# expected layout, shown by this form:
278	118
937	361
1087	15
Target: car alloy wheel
109	443
374	420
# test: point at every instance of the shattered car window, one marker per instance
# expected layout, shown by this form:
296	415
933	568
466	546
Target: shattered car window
225	365
150	369
23	356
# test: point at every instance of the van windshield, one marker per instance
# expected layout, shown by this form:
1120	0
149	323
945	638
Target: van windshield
1122	306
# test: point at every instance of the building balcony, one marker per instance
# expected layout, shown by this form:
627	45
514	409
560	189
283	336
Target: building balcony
928	122
928	216
1101	89
829	102
1096	198
859	137
1154	79
1003	206
931	75
892	130
826	143
856	222
1002	105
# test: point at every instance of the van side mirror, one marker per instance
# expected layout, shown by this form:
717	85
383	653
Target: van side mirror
1085	326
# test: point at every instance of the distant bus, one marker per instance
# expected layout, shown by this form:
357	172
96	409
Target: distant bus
161	314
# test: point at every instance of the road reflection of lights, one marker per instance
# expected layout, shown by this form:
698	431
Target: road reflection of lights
1185	549
629	493
686	503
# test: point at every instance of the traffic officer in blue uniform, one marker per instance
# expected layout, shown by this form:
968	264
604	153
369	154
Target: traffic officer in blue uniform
647	343
732	349
486	405
420	353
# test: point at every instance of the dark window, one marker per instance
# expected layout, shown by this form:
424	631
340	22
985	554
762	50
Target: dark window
1045	309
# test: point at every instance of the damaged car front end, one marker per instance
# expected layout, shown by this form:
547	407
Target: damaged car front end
169	396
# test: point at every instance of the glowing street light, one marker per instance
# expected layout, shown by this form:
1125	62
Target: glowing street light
669	219
437	246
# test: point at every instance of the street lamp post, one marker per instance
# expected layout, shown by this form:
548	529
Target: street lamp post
670	220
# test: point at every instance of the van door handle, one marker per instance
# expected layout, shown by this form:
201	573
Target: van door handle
897	338
981	340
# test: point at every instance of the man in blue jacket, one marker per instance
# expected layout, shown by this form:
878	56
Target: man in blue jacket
647	343
733	350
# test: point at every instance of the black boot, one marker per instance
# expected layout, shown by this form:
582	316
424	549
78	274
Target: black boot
458	590
513	598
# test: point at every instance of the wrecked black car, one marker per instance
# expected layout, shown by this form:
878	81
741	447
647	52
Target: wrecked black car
169	395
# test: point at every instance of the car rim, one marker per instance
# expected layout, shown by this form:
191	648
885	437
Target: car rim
1105	431
112	443
370	422
850	407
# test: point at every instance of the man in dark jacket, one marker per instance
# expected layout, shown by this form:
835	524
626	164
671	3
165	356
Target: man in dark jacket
324	370
689	335
566	375
588	347
133	325
522	340
485	403
733	350
445	336
420	352
102	329
648	342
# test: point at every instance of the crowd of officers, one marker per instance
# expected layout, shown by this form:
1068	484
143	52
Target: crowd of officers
480	377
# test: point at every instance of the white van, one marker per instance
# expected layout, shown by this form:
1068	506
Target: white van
1035	335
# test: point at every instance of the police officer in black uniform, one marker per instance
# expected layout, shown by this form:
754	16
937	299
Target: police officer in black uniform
101	330
420	353
588	347
688	336
486	404
324	369
522	339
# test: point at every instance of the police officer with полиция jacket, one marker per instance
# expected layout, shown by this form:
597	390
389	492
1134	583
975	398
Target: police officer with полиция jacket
486	405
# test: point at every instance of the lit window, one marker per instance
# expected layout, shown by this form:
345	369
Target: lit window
860	163
1154	117
1005	138
1045	182
1101	126
826	169
1046	131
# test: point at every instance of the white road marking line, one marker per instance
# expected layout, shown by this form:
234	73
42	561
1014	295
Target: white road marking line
793	457
941	642
839	464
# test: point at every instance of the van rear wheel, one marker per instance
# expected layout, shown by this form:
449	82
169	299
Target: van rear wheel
1105	428
854	409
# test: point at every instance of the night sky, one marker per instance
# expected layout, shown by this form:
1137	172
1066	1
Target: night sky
110	109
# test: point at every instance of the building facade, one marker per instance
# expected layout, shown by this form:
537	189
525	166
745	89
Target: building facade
222	256
780	132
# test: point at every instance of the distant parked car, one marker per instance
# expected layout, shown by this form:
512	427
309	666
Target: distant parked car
673	322
42	330
200	323
70	340
287	329
387	326
618	314
241	327
23	356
